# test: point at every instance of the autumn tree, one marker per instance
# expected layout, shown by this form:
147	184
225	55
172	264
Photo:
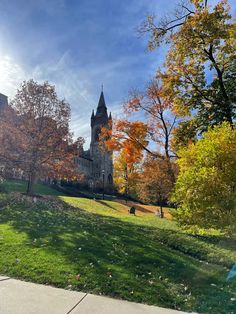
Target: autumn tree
159	119
128	139
155	182
199	75
152	136
205	190
41	121
126	177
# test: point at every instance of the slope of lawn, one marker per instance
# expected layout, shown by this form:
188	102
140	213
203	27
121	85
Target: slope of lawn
95	246
21	186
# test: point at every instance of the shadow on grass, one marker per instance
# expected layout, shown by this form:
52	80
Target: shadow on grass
143	209
15	185
106	204
113	257
137	206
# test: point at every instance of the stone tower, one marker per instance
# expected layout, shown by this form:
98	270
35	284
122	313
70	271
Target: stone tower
102	166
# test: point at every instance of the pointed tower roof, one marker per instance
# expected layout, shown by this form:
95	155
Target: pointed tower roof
101	108
101	102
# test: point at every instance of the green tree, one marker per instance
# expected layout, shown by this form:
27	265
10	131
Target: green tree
205	190
199	77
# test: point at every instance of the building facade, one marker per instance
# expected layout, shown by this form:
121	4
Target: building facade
3	101
96	164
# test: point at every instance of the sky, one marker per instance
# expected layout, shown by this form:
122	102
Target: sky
78	45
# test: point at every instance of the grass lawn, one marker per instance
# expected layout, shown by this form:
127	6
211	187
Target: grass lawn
138	258
21	186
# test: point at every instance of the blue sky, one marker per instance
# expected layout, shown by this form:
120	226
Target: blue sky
78	45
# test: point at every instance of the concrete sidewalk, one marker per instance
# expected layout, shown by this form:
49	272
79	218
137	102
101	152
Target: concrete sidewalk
19	297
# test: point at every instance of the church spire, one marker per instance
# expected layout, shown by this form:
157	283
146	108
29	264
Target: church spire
101	116
102	108
101	103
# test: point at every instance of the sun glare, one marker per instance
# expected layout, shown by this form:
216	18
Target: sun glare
11	74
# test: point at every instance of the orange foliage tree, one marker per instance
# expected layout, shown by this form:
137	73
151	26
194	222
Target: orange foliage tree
159	119
152	137
41	144
155	183
129	140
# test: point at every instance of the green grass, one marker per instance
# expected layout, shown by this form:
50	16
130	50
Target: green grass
143	258
21	186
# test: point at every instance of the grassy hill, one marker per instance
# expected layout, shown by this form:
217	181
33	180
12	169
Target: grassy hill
97	247
21	186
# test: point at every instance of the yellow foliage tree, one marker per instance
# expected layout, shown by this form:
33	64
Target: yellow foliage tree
199	75
205	190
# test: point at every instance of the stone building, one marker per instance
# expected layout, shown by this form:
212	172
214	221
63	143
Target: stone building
95	163
3	101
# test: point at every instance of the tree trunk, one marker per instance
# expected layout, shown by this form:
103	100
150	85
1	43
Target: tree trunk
228	103
170	171
30	184
126	184
161	211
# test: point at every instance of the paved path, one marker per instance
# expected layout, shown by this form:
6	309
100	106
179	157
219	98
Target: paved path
19	297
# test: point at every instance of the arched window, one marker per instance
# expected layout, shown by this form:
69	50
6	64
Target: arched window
110	179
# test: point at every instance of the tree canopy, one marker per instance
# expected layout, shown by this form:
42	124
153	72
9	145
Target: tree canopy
199	74
39	142
205	190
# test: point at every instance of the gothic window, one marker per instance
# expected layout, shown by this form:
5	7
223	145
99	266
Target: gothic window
110	179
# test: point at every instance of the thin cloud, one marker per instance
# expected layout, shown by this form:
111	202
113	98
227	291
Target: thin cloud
77	47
